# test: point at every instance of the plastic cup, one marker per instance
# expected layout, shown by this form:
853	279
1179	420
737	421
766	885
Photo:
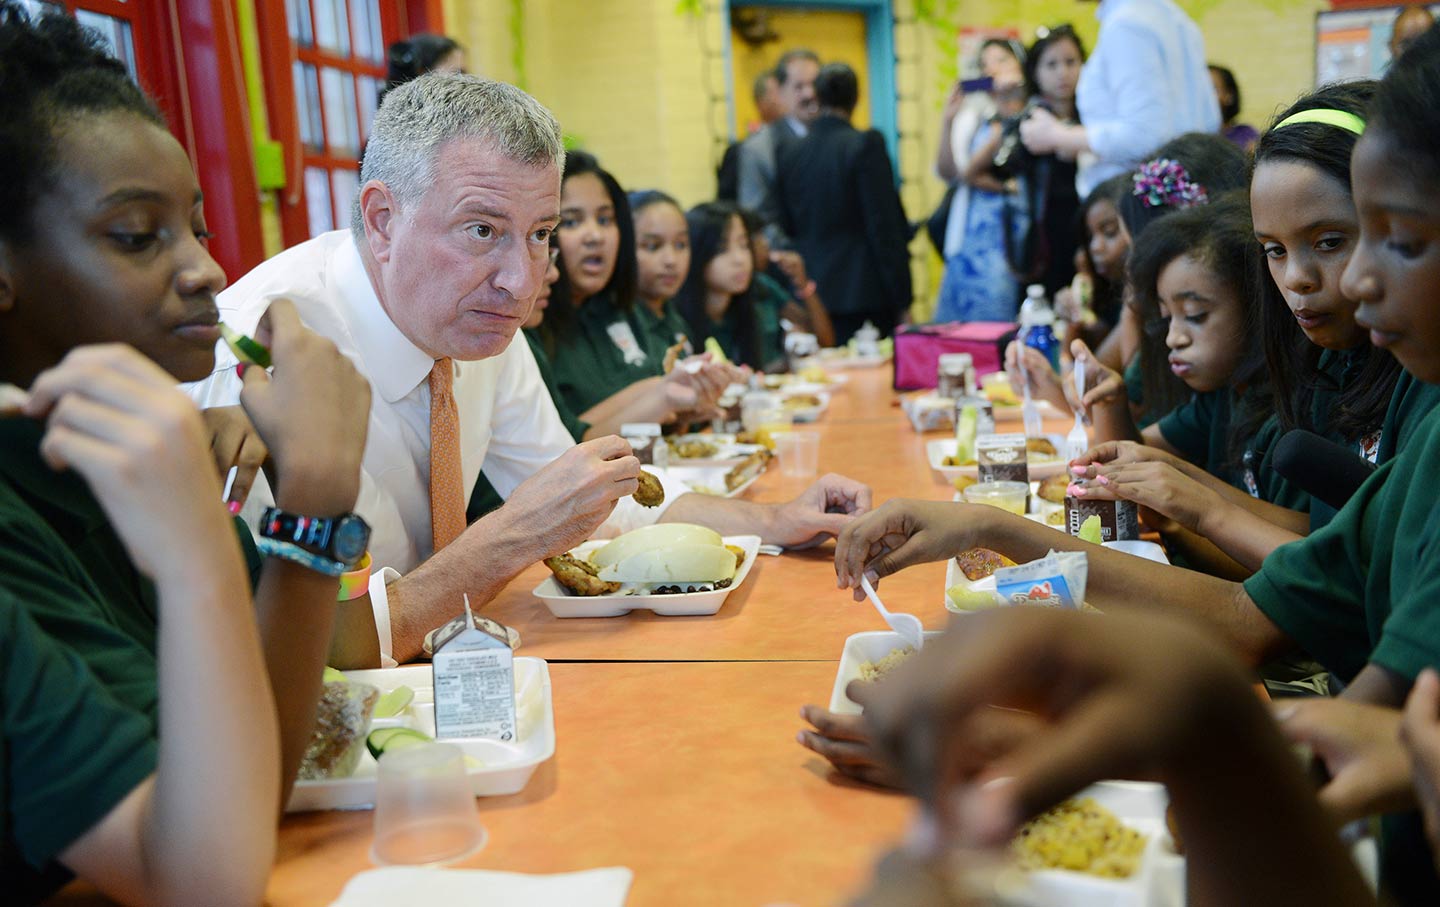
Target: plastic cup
424	809
1008	496
799	453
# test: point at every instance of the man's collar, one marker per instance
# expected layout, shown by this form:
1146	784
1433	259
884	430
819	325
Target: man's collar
394	365
796	126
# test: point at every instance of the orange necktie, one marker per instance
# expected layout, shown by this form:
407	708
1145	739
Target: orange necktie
447	493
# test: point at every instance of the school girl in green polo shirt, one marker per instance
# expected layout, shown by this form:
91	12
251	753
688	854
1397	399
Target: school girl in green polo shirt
1327	377
115	546
718	298
1360	594
662	251
591	331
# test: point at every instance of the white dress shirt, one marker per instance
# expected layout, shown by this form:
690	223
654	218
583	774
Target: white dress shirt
1146	83
508	423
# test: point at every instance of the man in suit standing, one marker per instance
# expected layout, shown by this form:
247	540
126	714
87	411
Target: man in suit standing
795	74
767	103
840	207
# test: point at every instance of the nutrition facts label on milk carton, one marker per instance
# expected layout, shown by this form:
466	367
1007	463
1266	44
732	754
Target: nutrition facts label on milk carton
474	672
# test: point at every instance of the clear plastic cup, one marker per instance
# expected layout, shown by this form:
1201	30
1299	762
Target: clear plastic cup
799	453
424	809
1009	496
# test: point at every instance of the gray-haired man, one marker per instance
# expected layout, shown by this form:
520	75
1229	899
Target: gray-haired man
447	251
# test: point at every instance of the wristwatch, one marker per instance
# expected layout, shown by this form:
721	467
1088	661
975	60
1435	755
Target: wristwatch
328	545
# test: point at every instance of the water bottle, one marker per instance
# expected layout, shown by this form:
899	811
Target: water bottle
1037	325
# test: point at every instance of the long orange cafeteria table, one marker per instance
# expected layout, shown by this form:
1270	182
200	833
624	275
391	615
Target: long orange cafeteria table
788	609
689	774
676	752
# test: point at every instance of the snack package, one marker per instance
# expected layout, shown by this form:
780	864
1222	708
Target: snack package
342	719
1056	580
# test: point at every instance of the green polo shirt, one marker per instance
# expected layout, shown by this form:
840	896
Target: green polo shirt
63	562
726	331
1260	478
71	752
660	332
1362	589
1410	402
770	301
1200	430
603	353
484	498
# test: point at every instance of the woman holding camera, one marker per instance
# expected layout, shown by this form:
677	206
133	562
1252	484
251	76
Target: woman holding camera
978	284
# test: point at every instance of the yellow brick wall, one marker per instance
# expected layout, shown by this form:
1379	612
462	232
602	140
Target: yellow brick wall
643	85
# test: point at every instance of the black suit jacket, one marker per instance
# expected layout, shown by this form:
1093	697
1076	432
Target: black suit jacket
839	205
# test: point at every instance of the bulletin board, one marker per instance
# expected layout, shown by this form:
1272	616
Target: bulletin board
1354	44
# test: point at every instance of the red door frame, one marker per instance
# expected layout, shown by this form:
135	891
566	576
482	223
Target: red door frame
186	58
278	54
216	116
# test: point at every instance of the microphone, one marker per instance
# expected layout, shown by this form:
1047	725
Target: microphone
1325	470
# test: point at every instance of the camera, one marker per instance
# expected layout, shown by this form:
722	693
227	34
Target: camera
1012	159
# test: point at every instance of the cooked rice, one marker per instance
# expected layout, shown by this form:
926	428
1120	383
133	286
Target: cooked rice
1083	836
874	670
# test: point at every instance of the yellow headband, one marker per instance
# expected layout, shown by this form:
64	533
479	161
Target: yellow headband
1337	118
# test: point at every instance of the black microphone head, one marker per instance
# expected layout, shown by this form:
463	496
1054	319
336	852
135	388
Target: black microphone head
1323	469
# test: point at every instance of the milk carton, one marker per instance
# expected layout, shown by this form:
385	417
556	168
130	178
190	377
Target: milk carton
474	678
1002	458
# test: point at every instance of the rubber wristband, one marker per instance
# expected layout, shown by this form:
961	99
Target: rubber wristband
356	583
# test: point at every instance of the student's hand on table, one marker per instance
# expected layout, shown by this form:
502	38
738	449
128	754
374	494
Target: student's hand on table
562	504
312	410
898	534
1420	734
1155	485
1134	696
1025	362
822	511
118	420
1112	454
1359	743
234	443
844	742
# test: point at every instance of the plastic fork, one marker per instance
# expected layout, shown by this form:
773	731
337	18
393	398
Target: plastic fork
907	625
1078	441
1029	412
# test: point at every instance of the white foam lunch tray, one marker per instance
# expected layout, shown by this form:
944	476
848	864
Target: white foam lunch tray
710	479
563	604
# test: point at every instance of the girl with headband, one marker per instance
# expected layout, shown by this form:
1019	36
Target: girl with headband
1325	375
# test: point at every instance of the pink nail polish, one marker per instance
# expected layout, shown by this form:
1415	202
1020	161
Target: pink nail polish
240	370
234	508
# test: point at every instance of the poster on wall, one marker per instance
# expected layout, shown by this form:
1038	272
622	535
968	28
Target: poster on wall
1354	44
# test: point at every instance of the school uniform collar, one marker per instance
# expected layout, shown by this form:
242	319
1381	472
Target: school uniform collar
394	365
62	498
